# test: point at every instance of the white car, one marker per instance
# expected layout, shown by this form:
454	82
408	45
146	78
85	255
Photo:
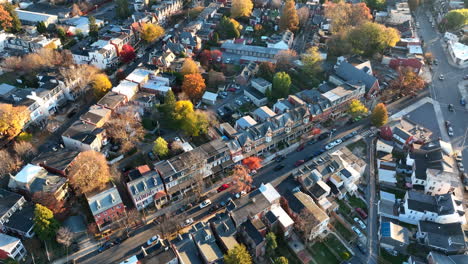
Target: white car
187	222
359	221
441	77
205	203
338	141
357	231
329	146
152	240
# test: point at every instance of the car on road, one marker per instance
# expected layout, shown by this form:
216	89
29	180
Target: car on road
247	99
298	163
330	146
152	240
324	135
449	128
106	245
451	108
214	208
441	77
220	112
238	102
357	231
465	77
223	187
151	155
436	62
280	158
300	148
338	141
360	222
361	213
362	248
278	167
205	203
187	222
462	101
231	89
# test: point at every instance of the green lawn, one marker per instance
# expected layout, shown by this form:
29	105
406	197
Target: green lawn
322	254
385	258
10	78
343	208
334	244
357	202
344	232
284	250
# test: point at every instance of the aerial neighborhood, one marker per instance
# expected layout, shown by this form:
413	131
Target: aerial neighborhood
234	131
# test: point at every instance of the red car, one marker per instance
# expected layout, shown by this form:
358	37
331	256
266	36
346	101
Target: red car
232	89
223	187
361	213
300	148
299	163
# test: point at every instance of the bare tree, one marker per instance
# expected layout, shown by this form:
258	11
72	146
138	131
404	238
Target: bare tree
125	129
242	179
78	77
285	59
48	200
24	150
197	162
133	218
305	222
275	4
64	236
168	224
9	162
303	14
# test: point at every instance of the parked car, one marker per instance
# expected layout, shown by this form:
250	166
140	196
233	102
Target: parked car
214	208
361	213
106	245
205	203
152	240
338	141
278	167
441	77
324	135
449	128
299	163
223	187
357	231
462	101
461	168
187	222
151	155
280	158
360	222
451	108
330	146
300	148
465	77
362	248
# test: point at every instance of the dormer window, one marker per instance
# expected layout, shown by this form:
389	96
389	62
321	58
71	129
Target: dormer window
288	129
112	198
306	120
268	138
247	148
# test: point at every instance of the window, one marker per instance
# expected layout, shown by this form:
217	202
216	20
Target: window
268	139
288	129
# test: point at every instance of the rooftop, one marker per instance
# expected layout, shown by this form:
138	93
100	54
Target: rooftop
206	242
22	220
443	236
82	131
111	100
8	243
59	159
103	200
186	249
8	200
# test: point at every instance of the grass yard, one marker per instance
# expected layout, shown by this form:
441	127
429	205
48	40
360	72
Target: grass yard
358	148
343	208
357	202
10	78
322	254
334	244
344	232
385	258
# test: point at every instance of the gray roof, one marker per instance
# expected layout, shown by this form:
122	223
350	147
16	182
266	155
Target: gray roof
22	220
449	237
106	199
111	100
439	204
348	72
47	183
206	242
148	180
187	250
82	131
59	160
8	199
444	259
252	232
248	48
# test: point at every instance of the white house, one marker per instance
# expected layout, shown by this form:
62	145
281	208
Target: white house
32	18
146	187
459	53
209	98
101	54
156	85
81	24
440	182
245	122
12	246
127	88
283	42
387	172
84	136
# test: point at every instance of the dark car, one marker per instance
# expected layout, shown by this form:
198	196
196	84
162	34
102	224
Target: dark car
298	163
300	148
278	167
214	208
462	101
280	158
361	213
324	135
105	246
362	248
451	108
151	155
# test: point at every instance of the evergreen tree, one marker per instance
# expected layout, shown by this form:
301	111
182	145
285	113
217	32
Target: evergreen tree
93	28
41	27
122	9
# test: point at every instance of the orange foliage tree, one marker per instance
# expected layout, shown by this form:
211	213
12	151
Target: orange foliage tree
194	86
242	179
252	163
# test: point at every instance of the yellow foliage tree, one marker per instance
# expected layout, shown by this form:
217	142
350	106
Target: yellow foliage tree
189	67
194	86
192	122
150	32
101	84
12	119
89	172
356	108
241	8
289	18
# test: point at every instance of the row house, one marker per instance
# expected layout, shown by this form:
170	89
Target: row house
13	247
166	9
361	73
16	215
283	41
28	44
84	136
250	53
101	54
448	239
146	187
56	162
96	115
106	206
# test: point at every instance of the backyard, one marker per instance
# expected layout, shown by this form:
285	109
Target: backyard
358	148
344	232
322	254
386	258
357	202
335	245
284	250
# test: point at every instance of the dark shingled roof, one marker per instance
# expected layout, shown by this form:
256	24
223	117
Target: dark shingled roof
22	220
252	232
348	72
8	199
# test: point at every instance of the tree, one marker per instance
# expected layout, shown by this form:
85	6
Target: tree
124	129
376	4
24	150
12	119
281	85
271	244
238	254
169	103
10	162
304	223
41	27
61	34
413	4
428	57
15	22
48	200
311	61
407	83
370	38
275	4
45	225
289	18
456	18
189	67
241	8
228	28
101	84
5	19
64	236
194	86
266	70
89	172
379	115
122	9
285	60
345	15
76	11
127	54
252	162
356	108
150	32
281	260
242	179
215	78
205	58
160	147
303	14
93	28
192	122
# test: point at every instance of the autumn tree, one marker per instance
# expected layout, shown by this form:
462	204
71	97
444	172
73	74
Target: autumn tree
76	11
281	260
238	254
160	147
228	28
344	15
124	129
15	21
45	225
285	59
64	236
311	61
78	77
150	32
93	28
304	223
241	177
48	200
24	150
271	244
276	4
252	162
215	78
303	14
379	115
407	83
101	84
122	9
194	86
356	108
289	18
89	172
241	8
266	70
12	119
371	38
456	18
281	84
413	4
5	19
10	162
189	67
127	54
192	122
